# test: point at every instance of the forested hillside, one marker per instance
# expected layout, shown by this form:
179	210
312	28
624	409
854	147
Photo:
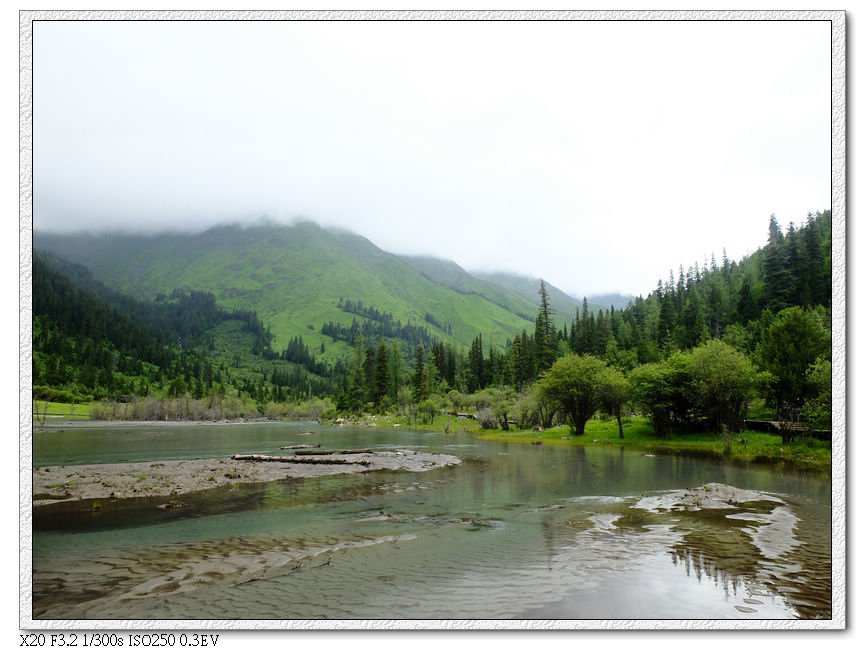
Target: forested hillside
293	277
702	350
708	346
91	342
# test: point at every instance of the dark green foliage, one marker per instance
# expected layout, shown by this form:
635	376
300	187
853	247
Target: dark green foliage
795	339
660	389
667	317
614	394
369	373
92	342
575	383
298	352
91	349
817	411
790	270
375	325
395	373
354	393
420	378
746	302
184	317
722	382
546	343
521	361
476	370
382	375
777	271
496	367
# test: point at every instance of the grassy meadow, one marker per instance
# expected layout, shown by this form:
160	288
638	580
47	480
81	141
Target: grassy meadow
747	447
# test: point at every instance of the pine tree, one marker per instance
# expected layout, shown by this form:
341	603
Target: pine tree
715	310
440	359
494	368
356	388
475	370
369	373
667	316
693	323
382	374
420	387
546	346
812	281
395	376
525	364
777	277
451	366
602	334
585	336
746	302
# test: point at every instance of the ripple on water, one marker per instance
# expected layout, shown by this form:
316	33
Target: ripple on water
571	561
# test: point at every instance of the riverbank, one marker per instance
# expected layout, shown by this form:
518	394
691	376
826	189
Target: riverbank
746	447
171	479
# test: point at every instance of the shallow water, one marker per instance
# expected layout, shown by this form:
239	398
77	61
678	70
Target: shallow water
514	531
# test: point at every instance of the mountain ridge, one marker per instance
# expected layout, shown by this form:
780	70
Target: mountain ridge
293	276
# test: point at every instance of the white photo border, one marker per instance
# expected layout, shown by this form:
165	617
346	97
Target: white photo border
837	19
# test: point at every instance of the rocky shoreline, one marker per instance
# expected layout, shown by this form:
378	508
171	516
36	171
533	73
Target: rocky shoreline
172	478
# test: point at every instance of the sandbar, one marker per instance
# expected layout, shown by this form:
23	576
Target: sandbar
171	478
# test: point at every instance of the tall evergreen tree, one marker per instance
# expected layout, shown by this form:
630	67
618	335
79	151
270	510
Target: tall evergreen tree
585	326
369	373
451	372
356	394
667	315
395	376
746	302
777	278
546	345
382	374
420	385
475	369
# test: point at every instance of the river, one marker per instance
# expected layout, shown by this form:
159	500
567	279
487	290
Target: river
512	532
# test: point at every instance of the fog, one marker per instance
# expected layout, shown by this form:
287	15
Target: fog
597	155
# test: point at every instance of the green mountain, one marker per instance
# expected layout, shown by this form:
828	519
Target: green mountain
296	279
564	306
90	343
452	275
616	300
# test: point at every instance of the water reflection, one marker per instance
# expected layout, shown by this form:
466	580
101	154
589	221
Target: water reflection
514	531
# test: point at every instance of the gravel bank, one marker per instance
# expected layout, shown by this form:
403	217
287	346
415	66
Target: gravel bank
173	478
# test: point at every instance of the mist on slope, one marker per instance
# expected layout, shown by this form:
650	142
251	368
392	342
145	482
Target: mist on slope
518	274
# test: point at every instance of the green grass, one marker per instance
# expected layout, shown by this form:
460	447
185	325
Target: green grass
60	411
759	447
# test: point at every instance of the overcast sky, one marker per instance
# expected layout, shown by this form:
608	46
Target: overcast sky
597	155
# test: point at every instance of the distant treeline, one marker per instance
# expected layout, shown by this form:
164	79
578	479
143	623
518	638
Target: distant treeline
378	324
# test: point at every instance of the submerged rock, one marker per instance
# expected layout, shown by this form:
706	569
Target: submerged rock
709	496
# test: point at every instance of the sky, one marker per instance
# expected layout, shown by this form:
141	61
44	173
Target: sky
597	155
